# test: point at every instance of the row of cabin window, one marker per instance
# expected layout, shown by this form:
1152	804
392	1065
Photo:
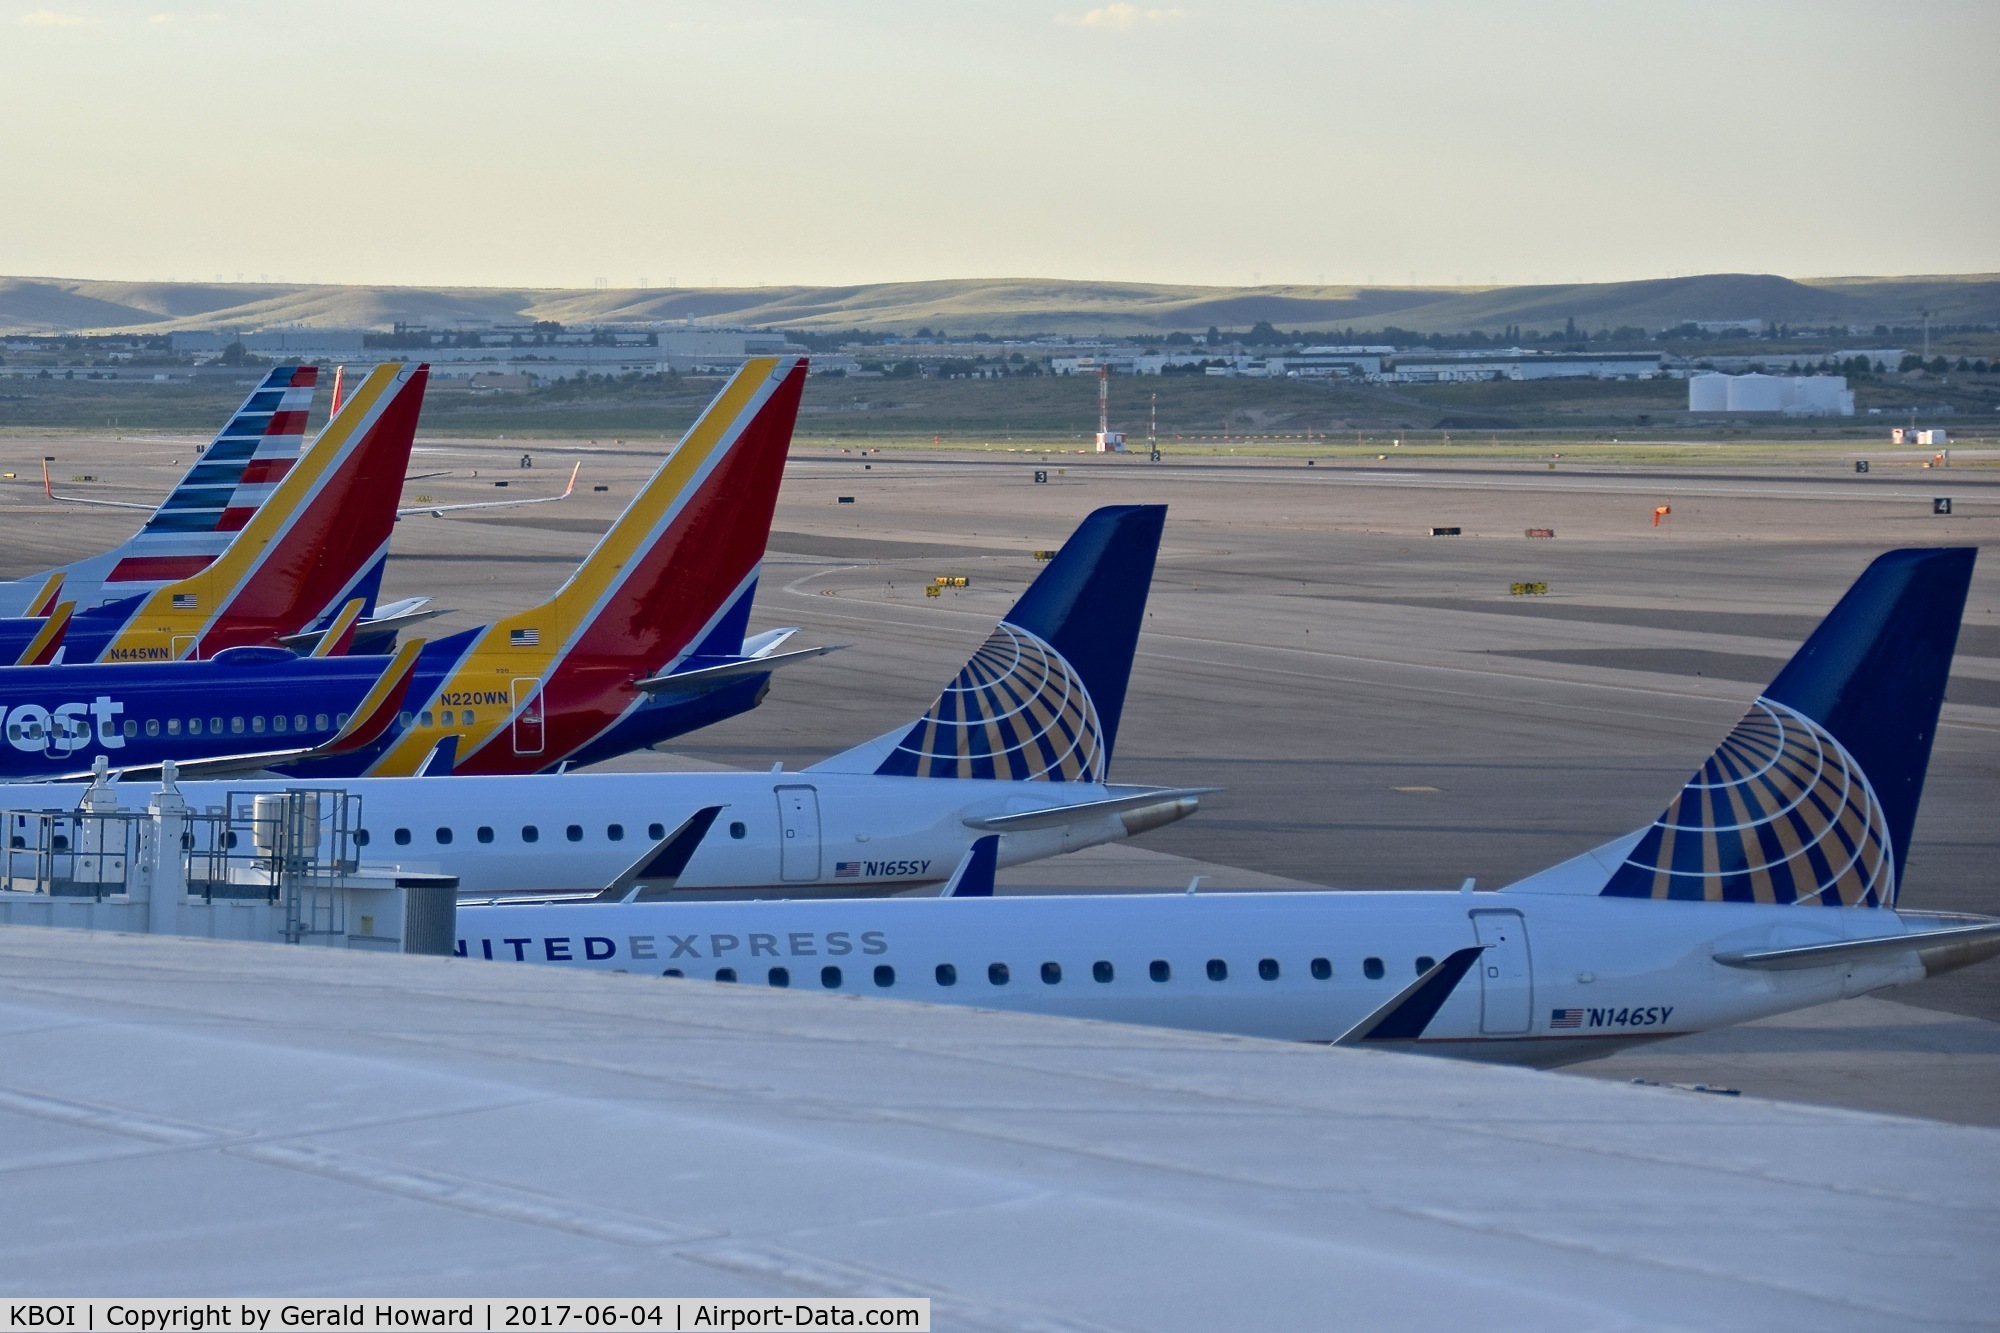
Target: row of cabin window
214	726
1101	971
443	719
533	833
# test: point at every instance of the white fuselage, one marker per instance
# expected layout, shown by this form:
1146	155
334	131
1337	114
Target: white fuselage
1563	978
800	833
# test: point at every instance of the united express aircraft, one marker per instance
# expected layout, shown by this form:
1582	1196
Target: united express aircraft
644	642
259	545
1018	745
1769	883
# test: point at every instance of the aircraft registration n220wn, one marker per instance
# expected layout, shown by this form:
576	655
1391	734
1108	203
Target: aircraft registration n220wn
644	642
1768	884
1018	744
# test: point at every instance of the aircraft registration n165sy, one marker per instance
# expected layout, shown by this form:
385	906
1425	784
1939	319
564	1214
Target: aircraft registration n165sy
644	642
1768	884
1018	745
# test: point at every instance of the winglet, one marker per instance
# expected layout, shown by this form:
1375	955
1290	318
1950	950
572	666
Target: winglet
654	875
48	640
438	763
339	636
1405	1017
45	600
377	709
974	876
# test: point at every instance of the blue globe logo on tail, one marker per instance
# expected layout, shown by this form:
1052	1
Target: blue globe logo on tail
1016	711
1780	813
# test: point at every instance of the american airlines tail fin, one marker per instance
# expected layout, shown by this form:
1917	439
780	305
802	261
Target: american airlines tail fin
1811	798
1042	697
229	480
309	549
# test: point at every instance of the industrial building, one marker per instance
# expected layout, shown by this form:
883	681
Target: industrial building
1791	395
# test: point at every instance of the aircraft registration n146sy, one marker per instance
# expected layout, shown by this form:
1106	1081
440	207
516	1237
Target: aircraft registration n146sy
643	643
1768	884
1017	745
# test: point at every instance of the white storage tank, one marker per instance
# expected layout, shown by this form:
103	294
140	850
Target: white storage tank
1708	393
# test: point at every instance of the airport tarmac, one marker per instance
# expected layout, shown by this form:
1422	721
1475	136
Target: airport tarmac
1380	709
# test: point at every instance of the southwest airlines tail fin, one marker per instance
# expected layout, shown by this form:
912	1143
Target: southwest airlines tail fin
308	550
229	480
1811	798
1042	697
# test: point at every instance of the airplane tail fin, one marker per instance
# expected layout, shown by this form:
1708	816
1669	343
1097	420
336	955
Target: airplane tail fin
1812	797
1043	696
229	482
676	570
316	544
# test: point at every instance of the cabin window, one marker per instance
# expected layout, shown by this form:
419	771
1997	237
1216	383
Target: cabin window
615	832
361	837
780	977
1322	969
1371	968
485	833
340	719
215	726
257	724
319	722
280	724
1102	971
424	718
739	830
1267	968
194	726
465	718
656	831
1160	970
173	726
153	726
885	975
404	720
131	728
725	974
1218	970
947	975
996	973
829	977
1051	974
673	972
299	722
402	837
529	833
1425	963
574	833
444	837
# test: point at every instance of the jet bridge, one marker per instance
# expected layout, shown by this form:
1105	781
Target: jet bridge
278	867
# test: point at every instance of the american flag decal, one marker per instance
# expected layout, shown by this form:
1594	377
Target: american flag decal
185	601
847	870
524	638
1566	1018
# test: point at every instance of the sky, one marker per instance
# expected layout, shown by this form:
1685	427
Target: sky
1226	142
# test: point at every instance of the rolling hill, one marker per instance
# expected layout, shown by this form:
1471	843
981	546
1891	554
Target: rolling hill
1009	306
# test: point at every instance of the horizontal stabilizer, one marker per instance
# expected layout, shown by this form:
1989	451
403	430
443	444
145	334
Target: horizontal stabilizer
441	760
439	511
654	875
1405	1017
703	678
1835	953
1056	816
974	876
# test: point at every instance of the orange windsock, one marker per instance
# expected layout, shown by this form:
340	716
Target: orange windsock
1660	512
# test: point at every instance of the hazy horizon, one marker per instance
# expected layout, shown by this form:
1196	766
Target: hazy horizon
1434	143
